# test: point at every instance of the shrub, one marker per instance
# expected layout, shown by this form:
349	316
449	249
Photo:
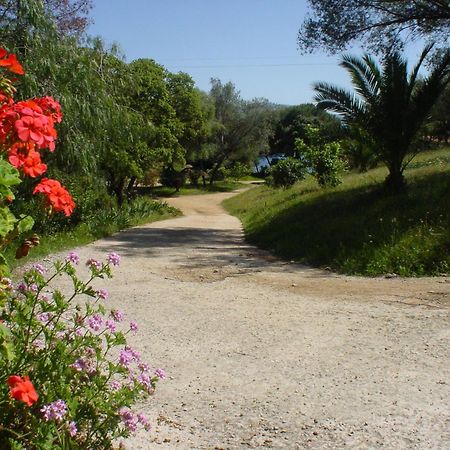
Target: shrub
237	171
68	378
323	158
286	172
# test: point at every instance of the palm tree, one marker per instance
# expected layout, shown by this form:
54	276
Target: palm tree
388	103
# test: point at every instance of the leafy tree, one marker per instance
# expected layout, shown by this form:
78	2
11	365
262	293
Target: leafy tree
239	129
192	113
69	17
335	24
389	103
293	124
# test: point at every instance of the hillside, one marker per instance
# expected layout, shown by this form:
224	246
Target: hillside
357	228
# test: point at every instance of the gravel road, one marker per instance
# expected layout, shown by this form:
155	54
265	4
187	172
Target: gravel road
262	353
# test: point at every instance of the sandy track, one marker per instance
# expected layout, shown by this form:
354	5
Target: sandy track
265	354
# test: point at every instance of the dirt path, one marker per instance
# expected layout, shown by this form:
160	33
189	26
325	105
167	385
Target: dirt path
266	354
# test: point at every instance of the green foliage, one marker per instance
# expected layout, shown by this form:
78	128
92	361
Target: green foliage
389	104
323	158
286	173
357	228
76	355
293	123
334	25
237	171
240	131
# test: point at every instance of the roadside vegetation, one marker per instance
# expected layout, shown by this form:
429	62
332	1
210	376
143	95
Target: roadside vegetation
357	228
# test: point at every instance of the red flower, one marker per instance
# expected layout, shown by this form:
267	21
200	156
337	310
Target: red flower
22	389
50	107
23	156
57	196
10	62
32	125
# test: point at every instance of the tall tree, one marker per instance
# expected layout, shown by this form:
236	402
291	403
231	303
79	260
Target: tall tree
335	24
389	103
240	126
69	17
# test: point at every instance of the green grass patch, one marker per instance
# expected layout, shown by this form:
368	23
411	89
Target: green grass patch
218	186
139	211
357	228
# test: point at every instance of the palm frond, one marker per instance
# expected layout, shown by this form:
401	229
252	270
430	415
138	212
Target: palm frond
415	71
340	101
364	74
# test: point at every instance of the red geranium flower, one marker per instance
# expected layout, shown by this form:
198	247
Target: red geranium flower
22	389
50	107
10	62
57	196
23	156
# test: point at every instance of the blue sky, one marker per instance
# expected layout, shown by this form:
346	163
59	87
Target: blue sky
249	42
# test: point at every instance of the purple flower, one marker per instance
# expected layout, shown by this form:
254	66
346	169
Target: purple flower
38	344
115	385
143	420
80	365
117	315
145	380
72	427
160	373
33	288
44	317
39	268
60	335
134	354
103	294
134	327
95	322
125	358
22	287
54	411
94	263
114	259
111	325
44	298
128	419
73	258
144	367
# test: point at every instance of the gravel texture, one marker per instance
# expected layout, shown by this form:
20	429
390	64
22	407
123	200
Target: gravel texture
262	353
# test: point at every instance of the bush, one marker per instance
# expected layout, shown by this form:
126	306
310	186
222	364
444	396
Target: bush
67	376
286	173
237	171
325	161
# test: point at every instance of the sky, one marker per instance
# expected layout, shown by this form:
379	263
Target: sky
252	43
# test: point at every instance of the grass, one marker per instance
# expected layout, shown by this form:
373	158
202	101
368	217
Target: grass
141	210
357	228
218	186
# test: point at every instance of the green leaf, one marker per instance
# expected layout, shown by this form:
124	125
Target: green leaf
6	345
9	175
25	223
7	221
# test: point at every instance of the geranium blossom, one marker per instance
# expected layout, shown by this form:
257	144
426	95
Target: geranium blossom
57	196
22	389
9	61
27	159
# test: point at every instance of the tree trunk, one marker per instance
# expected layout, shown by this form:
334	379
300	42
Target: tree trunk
395	181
